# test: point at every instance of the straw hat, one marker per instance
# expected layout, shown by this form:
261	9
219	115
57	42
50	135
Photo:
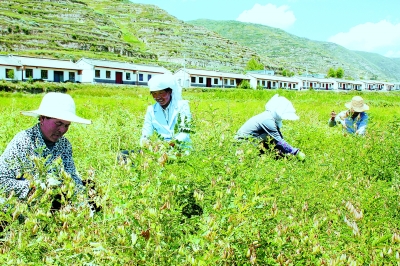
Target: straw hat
57	105
357	104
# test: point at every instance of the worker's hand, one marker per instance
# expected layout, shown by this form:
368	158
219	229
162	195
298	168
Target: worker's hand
333	115
301	156
31	192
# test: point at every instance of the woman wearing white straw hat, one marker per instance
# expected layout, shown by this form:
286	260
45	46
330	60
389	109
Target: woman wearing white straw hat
44	140
266	127
170	116
354	120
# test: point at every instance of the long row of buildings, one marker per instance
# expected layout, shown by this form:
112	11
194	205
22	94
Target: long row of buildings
23	68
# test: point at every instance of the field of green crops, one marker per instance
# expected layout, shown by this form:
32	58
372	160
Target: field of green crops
223	204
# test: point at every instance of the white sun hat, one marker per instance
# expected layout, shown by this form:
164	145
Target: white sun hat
282	107
58	105
165	81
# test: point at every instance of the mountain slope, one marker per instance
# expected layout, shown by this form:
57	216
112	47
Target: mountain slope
112	29
125	31
301	54
60	26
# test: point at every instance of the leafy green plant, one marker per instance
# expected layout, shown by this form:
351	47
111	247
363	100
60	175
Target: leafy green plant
244	85
224	203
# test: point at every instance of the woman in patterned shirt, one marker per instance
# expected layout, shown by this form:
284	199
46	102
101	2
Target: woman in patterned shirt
44	140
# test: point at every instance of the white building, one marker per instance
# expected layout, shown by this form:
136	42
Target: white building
188	77
10	69
348	85
273	82
105	71
44	69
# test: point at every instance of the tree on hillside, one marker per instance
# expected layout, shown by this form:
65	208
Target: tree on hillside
331	73
340	73
254	64
287	73
374	77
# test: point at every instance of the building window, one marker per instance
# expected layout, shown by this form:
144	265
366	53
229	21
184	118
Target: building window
10	73
263	82
193	79
232	82
108	74
201	79
71	76
128	76
216	81
44	74
29	73
97	73
148	77
140	77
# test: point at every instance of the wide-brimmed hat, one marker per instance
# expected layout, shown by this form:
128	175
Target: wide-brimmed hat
282	107
357	104
57	105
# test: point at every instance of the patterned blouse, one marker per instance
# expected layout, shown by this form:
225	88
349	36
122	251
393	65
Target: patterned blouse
16	160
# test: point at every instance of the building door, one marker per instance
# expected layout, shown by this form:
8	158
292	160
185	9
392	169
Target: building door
118	77
58	76
208	82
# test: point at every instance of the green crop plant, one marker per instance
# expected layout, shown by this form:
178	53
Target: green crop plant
338	207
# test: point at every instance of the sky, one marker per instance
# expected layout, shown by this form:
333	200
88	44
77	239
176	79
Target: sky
361	25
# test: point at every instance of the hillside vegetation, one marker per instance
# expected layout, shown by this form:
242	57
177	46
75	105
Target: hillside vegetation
113	30
296	53
126	31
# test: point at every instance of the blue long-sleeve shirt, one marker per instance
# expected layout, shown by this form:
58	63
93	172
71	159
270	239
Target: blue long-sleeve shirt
357	125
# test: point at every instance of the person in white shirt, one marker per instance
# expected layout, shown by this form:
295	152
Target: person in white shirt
170	116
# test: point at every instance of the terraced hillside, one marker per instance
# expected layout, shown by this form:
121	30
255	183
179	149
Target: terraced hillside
62	26
297	54
112	29
125	31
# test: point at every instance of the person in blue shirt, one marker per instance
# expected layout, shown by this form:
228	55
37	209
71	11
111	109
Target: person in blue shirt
354	120
265	128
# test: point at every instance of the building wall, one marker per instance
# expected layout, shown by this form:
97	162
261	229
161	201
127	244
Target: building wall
51	74
182	78
4	69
